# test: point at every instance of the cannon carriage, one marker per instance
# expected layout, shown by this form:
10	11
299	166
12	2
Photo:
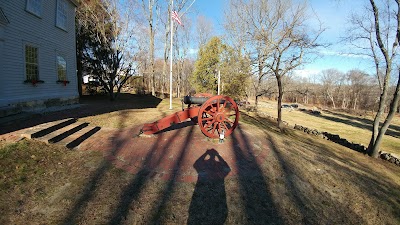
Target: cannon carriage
217	116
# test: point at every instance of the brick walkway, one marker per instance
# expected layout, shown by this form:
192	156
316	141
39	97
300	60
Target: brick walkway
173	154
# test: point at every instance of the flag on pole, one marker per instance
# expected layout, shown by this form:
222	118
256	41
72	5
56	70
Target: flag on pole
175	16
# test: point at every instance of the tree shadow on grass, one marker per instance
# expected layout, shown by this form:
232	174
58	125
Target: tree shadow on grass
208	205
318	200
131	192
159	208
324	200
89	106
118	141
255	191
310	201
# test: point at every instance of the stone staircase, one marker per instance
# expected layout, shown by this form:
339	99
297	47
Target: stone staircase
67	132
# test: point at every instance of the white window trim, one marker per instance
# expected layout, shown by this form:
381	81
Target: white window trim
58	22
32	11
24	59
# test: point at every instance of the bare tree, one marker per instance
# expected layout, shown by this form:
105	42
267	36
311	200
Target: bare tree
378	32
331	82
239	36
358	82
178	6
279	35
183	67
149	8
204	29
108	52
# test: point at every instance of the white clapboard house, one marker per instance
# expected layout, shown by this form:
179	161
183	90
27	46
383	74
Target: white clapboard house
37	53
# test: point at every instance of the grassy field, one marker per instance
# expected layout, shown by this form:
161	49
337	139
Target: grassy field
302	180
354	128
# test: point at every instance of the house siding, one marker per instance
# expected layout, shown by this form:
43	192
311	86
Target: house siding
25	28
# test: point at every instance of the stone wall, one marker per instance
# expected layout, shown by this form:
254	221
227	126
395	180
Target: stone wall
342	141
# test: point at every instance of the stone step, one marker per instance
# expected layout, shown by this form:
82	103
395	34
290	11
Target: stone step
78	137
46	128
62	133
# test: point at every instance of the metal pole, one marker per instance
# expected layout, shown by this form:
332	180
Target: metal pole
170	66
219	81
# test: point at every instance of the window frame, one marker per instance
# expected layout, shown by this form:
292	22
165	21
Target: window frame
62	14
37	63
30	7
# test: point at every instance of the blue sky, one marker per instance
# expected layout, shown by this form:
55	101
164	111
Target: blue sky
333	14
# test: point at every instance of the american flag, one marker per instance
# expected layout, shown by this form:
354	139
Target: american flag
175	16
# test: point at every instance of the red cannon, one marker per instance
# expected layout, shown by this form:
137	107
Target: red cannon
217	116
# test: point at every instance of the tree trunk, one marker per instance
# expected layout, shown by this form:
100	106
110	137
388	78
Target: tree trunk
374	150
375	130
256	101
373	147
178	83
111	91
152	75
355	103
280	95
151	33
345	103
333	101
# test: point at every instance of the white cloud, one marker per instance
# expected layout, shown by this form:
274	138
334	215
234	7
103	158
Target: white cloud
341	54
350	55
306	73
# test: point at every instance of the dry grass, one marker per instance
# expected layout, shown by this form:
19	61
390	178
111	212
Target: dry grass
354	128
301	181
38	179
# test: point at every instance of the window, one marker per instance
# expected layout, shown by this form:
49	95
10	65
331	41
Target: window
61	68
34	7
61	20
31	63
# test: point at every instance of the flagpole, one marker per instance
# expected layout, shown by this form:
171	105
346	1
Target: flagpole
170	66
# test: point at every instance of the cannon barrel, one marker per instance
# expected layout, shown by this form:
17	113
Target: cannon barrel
194	100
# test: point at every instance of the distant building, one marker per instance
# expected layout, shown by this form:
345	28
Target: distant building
90	79
37	53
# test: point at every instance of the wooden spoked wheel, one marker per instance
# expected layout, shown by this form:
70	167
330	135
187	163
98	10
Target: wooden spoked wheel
218	115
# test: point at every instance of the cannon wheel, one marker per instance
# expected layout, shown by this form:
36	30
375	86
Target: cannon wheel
217	115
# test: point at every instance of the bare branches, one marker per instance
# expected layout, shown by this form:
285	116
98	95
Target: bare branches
204	29
374	32
276	36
